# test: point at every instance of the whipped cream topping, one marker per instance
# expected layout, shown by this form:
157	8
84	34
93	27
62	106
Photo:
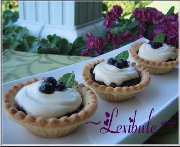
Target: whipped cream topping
161	54
108	74
47	105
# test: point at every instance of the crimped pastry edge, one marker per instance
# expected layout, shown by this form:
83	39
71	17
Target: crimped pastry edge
117	90
133	51
89	102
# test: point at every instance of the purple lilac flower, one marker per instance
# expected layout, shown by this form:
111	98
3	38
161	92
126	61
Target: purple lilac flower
150	15
86	52
127	36
137	37
117	10
109	20
93	43
116	41
139	14
108	36
170	24
142	28
171	27
172	41
111	16
172	30
90	41
100	44
158	30
155	15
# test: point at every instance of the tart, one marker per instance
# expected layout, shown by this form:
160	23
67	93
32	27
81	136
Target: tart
114	88
158	59
46	126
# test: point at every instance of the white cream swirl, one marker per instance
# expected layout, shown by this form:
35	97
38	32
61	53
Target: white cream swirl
47	105
110	74
161	54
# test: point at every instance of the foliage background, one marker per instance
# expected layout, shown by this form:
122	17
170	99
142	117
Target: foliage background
18	38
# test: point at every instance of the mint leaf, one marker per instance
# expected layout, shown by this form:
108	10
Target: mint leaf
122	55
171	10
132	25
68	79
159	38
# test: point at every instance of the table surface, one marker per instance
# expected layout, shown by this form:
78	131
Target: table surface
17	65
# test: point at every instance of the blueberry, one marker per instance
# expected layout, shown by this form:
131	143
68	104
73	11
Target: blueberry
125	63
119	64
52	80
150	42
155	44
113	85
46	87
60	86
159	44
111	61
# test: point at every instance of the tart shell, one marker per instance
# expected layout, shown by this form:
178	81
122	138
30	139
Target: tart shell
152	66
52	127
118	93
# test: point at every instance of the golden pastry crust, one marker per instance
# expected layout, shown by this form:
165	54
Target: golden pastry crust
153	66
52	127
118	93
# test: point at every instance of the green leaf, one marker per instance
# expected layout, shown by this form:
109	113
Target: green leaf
68	79
105	7
64	46
115	31
171	10
77	45
159	38
132	25
13	44
25	45
122	55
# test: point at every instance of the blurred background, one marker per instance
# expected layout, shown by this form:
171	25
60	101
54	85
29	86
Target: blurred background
128	6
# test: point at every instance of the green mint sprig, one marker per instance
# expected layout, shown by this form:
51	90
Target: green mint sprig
159	38
68	79
122	55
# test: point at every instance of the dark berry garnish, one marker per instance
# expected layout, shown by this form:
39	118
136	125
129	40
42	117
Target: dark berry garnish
125	63
119	64
150	42
113	85
111	61
46	87
52	80
155	44
60	86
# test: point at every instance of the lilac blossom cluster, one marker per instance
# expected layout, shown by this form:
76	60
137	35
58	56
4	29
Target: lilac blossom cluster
92	43
111	16
98	43
169	27
168	24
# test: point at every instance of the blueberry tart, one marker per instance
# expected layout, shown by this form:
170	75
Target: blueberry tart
158	58
115	79
50	108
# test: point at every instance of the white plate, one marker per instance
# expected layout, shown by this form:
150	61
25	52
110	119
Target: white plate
161	95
